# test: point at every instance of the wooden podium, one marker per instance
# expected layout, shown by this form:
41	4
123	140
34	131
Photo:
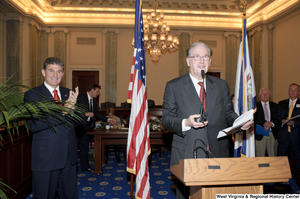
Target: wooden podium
208	177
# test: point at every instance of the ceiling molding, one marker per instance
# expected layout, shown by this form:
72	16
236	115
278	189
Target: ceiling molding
179	14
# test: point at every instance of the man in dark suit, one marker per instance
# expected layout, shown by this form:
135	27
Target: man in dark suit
92	114
54	153
264	116
289	131
181	107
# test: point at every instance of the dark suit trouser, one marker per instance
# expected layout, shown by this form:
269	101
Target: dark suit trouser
182	191
45	183
84	141
284	149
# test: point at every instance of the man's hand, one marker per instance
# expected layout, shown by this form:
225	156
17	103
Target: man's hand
71	101
268	125
89	114
192	123
290	123
246	126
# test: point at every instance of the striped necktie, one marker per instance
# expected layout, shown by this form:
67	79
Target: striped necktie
267	117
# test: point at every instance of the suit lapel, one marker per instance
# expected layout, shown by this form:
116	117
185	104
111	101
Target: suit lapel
191	91
44	91
286	108
295	107
86	100
210	94
64	93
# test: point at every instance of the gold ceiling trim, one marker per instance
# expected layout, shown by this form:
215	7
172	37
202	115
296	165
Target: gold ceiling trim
260	11
146	11
271	11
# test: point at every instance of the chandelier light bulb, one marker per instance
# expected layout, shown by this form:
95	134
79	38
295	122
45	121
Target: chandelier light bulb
162	16
168	28
175	39
153	14
154	37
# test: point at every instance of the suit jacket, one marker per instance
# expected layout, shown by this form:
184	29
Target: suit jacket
50	148
259	118
84	100
283	111
181	100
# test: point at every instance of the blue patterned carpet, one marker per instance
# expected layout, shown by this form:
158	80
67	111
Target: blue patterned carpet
114	183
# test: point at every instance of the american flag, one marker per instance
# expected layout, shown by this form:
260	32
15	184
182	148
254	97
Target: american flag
244	97
138	142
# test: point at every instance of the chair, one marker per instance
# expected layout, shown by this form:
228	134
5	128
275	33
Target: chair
151	103
106	105
125	105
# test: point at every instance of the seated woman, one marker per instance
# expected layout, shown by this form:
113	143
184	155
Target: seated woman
110	112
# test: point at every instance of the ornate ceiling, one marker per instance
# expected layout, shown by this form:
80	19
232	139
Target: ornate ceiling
179	14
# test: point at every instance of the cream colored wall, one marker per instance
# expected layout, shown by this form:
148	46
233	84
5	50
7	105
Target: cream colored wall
124	60
218	57
286	55
92	58
85	57
157	75
88	58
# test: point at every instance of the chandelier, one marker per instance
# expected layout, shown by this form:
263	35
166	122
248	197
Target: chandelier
157	36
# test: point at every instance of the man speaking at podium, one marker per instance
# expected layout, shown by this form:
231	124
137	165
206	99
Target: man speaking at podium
196	107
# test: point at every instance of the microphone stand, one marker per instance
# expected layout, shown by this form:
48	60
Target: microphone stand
207	151
195	149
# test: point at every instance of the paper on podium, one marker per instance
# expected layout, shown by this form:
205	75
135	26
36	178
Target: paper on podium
240	121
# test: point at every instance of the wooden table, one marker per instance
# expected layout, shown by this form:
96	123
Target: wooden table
103	137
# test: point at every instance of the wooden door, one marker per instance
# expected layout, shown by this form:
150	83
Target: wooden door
83	79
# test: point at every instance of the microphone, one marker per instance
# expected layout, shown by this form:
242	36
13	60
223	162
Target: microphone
202	74
202	118
195	149
205	151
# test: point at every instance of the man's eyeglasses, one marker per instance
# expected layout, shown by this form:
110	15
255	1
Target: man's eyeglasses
198	57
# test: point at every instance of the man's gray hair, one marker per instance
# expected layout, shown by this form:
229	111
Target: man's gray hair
196	44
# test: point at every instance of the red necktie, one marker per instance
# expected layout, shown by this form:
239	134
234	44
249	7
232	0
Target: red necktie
202	90
56	97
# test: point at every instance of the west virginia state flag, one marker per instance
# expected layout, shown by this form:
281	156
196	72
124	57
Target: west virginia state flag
244	97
